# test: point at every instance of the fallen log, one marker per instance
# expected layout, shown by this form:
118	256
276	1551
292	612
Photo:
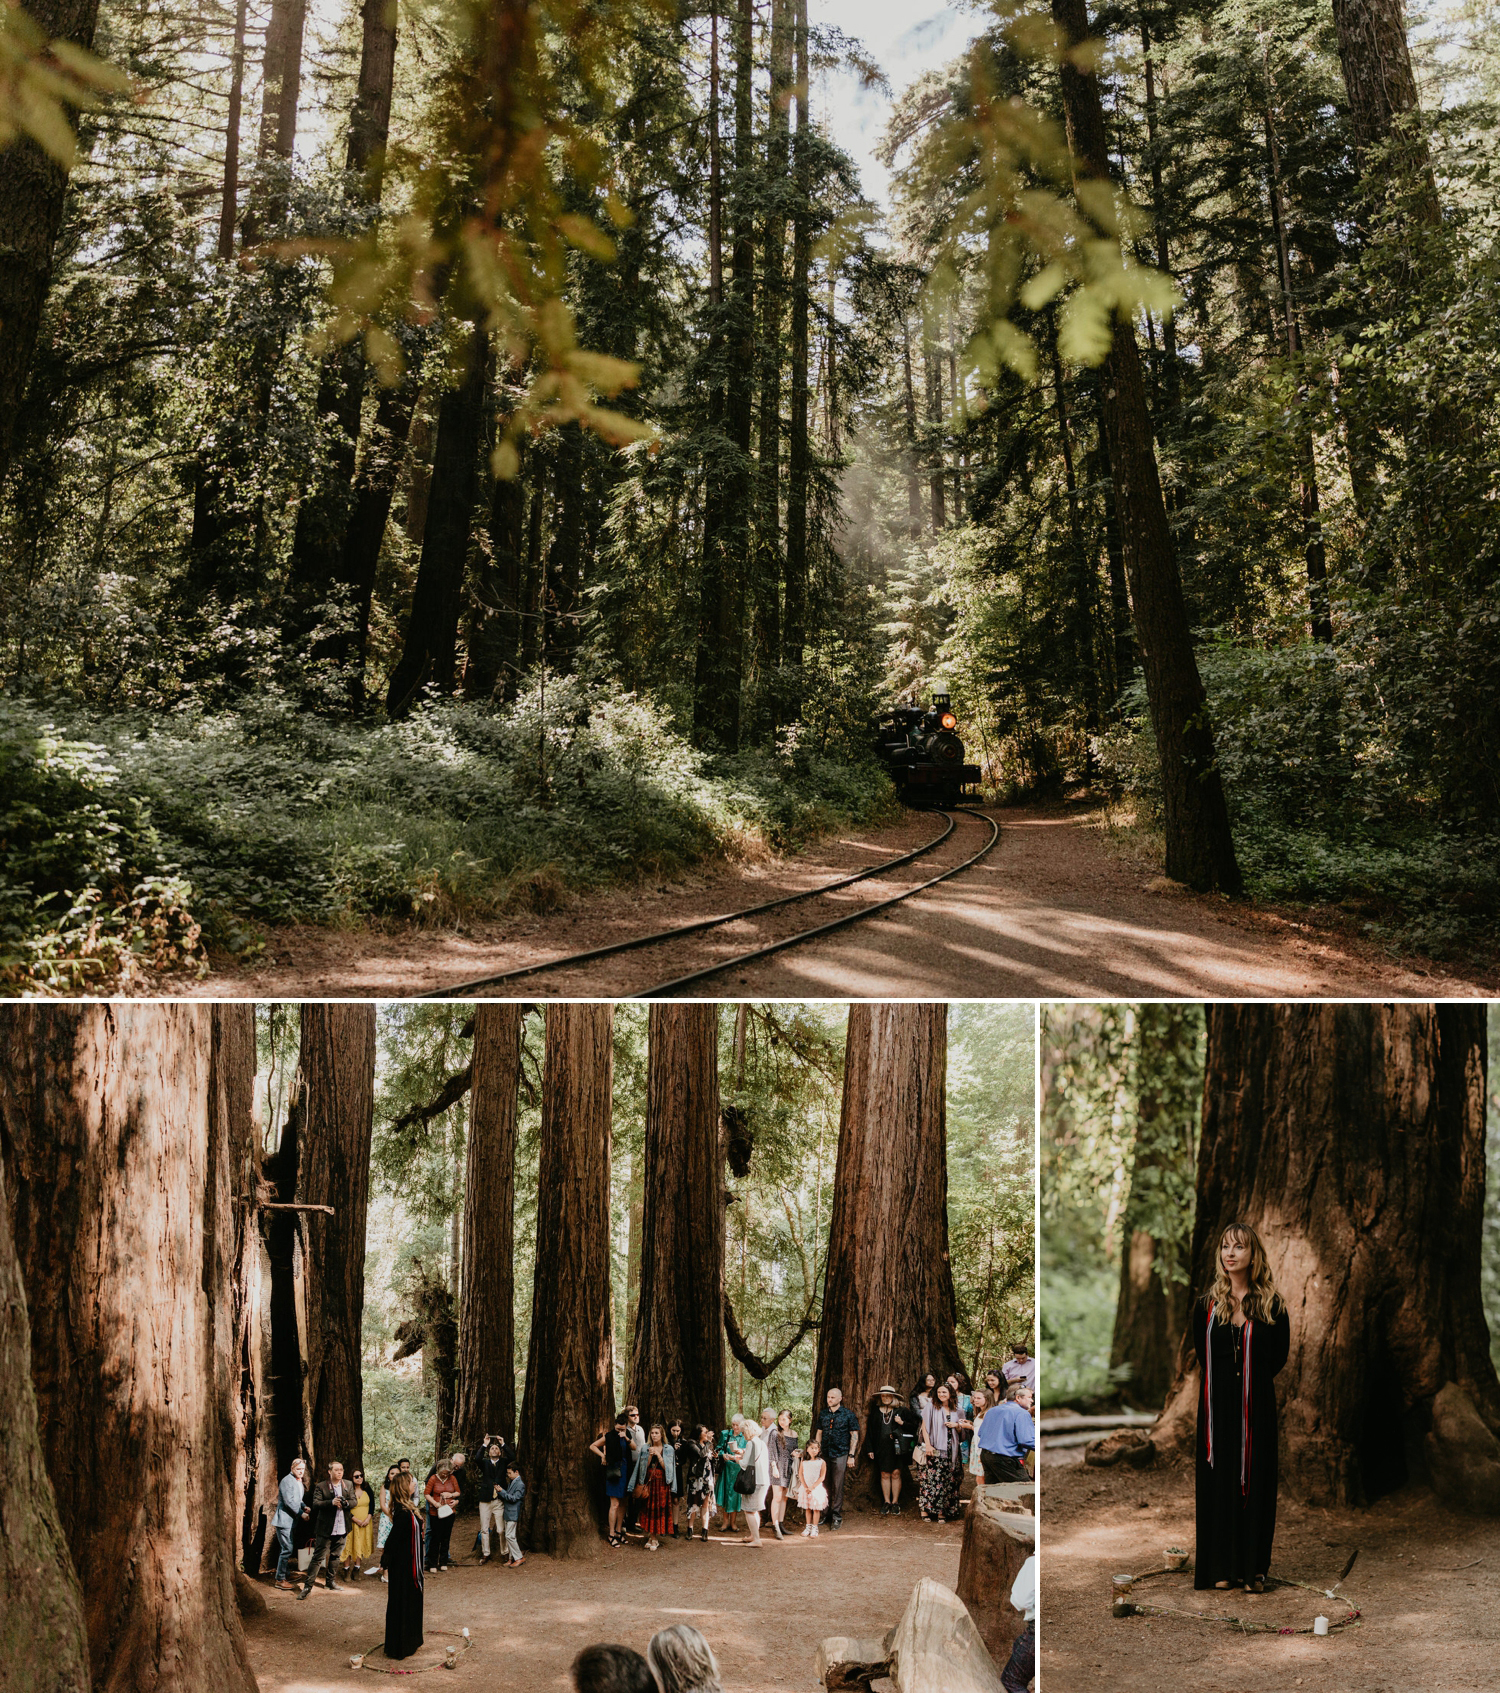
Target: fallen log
849	1663
937	1649
1121	1419
996	1543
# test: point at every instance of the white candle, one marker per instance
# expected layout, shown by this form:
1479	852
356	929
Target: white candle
1320	1625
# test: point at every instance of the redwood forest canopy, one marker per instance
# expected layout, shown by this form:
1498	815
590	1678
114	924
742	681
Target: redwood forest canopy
1343	1133
457	449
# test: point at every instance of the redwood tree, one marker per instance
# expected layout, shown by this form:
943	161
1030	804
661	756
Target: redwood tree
1351	1137
334	1108
119	1175
487	1322
677	1349
42	1639
570	1364
888	1304
1200	848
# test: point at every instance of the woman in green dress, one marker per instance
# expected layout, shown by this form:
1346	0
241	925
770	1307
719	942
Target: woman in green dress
732	1444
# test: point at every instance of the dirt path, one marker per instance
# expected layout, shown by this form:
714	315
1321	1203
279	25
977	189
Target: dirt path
763	1612
1424	1584
1053	912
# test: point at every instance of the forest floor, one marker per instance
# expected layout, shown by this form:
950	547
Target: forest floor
763	1612
1056	911
1423	1583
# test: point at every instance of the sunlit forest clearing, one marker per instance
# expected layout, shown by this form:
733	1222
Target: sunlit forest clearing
456	454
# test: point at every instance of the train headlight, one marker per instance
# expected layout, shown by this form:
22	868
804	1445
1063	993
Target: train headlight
949	720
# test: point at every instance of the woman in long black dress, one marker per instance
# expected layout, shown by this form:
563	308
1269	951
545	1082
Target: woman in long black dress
1242	1337
402	1559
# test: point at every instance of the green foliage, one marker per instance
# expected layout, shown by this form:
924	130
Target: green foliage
266	815
1122	1088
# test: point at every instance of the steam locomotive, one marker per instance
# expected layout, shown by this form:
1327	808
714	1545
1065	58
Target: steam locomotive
923	753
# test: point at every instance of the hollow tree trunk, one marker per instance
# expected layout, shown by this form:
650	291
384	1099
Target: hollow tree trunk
334	1100
32	188
429	651
1351	1137
487	1321
570	1363
1152	1313
1200	847
888	1304
677	1346
119	1177
43	1643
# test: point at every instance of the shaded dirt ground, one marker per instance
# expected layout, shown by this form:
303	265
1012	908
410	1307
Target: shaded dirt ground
1424	1583
763	1612
1053	912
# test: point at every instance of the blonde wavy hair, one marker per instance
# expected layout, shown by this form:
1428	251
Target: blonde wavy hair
1263	1302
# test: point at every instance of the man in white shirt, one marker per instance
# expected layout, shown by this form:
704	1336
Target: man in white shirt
1020	1370
1017	1674
331	1503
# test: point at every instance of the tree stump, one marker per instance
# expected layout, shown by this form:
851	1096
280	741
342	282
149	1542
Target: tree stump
849	1664
996	1543
937	1647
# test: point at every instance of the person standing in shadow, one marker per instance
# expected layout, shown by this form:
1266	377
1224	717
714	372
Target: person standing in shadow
402	1561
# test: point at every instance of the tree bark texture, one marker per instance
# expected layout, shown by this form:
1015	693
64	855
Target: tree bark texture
570	1363
1381	86
1351	1137
888	1303
335	1103
32	188
677	1346
430	649
43	1644
119	1175
1200	847
229	196
487	1321
798	468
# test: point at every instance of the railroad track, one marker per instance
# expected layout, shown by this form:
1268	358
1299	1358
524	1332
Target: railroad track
661	990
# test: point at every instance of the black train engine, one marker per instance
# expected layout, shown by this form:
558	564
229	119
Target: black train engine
923	753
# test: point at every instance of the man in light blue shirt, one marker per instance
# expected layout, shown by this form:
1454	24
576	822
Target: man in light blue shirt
1006	1437
288	1509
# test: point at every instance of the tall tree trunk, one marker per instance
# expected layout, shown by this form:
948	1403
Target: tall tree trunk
1200	847
487	1315
570	1362
493	660
888	1303
32	188
677	1347
119	1179
798	468
1382	92
1352	1138
1083	596
1155	1297
334	1104
932	367
565	555
534	609
281	92
430	650
229	198
1319	616
711	584
43	1642
773	307
913	481
1114	555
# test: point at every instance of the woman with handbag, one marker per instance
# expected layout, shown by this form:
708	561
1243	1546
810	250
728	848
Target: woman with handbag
731	1450
753	1482
651	1482
938	1492
442	1502
812	1495
613	1449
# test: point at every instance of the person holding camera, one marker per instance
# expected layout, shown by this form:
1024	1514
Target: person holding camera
489	1466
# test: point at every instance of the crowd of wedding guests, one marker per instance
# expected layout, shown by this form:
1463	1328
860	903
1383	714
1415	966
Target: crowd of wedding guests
664	1482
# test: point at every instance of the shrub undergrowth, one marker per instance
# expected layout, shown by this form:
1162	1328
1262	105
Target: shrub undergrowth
130	843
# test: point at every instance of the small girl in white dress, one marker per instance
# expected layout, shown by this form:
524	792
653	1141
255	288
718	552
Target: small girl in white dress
812	1495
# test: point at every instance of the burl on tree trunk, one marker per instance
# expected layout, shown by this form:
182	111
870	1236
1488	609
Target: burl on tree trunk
677	1353
334	1104
570	1365
487	1322
888	1306
119	1174
1351	1137
43	1645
